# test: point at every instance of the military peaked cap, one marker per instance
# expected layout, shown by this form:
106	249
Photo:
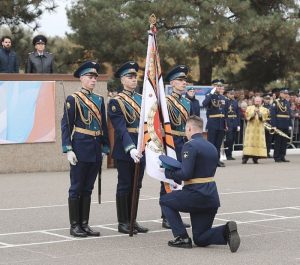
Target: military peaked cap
39	39
88	67
169	162
129	68
178	72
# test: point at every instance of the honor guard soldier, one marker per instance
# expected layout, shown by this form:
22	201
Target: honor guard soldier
233	123
267	104
179	109
85	140
281	119
124	112
215	104
39	61
199	196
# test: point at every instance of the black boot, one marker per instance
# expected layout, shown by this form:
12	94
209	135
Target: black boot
122	212
85	214
232	236
181	242
137	226
75	229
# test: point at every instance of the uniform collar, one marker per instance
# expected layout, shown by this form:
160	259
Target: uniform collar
85	91
176	95
128	92
197	135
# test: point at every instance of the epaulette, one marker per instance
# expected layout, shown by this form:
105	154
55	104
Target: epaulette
30	52
190	140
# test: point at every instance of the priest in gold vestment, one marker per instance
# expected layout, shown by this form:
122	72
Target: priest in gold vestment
254	139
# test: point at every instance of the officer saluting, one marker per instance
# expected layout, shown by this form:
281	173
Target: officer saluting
84	139
199	196
179	109
39	61
281	119
215	104
124	113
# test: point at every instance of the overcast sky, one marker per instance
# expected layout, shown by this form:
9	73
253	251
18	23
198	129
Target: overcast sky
56	23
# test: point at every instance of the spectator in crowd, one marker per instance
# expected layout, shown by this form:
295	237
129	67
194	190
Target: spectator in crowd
195	105
8	58
254	141
40	61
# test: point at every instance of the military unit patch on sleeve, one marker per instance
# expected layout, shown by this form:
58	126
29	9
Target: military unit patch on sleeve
185	154
68	105
113	109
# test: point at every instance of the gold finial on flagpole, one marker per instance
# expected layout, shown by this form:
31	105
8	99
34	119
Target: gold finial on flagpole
152	21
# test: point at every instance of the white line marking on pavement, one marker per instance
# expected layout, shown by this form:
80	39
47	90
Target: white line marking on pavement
108	228
54	234
260	210
256	212
151	198
5	244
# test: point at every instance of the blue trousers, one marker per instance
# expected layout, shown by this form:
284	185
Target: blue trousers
82	177
280	145
125	176
216	137
201	218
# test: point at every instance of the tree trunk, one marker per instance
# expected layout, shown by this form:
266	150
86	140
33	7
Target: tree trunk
205	65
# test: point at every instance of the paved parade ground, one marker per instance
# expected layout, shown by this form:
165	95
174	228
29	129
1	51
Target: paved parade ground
264	199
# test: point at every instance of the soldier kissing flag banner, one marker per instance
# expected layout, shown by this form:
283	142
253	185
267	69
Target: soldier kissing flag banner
155	131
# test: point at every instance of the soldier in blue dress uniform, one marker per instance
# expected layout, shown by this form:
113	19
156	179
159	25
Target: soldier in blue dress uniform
269	137
85	140
215	104
233	123
281	119
179	109
199	196
124	112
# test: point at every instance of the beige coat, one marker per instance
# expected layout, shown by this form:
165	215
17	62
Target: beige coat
254	139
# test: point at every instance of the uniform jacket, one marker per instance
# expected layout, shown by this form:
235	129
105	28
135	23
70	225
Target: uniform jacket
8	61
216	112
39	63
281	114
87	148
199	160
233	114
179	109
124	113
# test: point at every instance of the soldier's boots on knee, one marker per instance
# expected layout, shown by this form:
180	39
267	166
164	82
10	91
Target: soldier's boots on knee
232	236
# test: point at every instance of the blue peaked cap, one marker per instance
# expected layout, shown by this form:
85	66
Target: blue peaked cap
127	68
179	71
88	67
169	162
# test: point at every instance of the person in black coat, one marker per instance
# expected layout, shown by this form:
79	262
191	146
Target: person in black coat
8	58
199	195
40	61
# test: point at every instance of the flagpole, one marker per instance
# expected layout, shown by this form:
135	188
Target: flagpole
134	199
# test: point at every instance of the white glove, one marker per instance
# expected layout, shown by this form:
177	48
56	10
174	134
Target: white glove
135	155
290	128
103	155
213	91
238	128
72	158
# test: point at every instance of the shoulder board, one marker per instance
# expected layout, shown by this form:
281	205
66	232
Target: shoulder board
187	99
189	141
48	52
30	52
97	95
